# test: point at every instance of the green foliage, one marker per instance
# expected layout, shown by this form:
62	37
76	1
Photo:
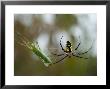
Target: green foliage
33	46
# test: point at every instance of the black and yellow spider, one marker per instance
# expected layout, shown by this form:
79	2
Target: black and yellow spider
68	52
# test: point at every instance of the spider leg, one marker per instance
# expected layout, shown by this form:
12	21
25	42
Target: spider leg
57	54
79	56
85	51
78	45
60	59
61	44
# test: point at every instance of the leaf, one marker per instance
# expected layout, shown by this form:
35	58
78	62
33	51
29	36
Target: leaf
34	47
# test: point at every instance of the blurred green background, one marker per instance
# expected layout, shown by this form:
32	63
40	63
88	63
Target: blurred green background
47	30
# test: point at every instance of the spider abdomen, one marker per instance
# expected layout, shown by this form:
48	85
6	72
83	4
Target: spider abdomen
68	47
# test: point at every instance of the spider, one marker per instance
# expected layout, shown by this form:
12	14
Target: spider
68	52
